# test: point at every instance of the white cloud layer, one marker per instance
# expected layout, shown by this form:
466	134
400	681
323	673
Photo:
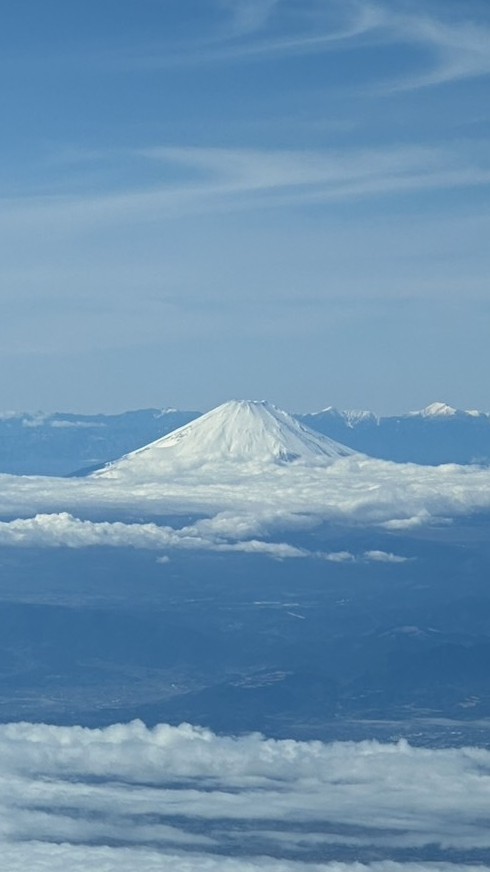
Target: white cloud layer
60	858
128	798
63	530
374	556
240	506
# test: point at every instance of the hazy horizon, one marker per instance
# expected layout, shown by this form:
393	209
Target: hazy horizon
304	410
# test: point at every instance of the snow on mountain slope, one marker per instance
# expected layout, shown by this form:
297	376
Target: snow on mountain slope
442	410
438	410
238	432
353	417
237	474
350	417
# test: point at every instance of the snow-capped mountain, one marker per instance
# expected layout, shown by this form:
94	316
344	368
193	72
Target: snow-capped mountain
351	417
242	470
431	436
240	431
442	410
66	443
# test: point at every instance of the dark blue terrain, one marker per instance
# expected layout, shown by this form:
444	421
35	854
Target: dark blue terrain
302	648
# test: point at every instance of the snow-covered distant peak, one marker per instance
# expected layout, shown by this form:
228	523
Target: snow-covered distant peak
356	416
240	431
351	417
442	410
438	410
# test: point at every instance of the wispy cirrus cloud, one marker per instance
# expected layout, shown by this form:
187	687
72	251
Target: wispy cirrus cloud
328	175
456	47
457	50
246	17
351	22
261	29
220	180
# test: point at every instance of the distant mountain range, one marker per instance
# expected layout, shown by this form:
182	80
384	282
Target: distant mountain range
63	444
435	435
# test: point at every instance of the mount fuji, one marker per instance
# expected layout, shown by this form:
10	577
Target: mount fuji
68	444
237	432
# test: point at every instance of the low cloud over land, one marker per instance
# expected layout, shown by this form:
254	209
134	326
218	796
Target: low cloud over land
127	797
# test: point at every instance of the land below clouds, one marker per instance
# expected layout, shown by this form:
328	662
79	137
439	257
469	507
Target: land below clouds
315	648
246	573
340	602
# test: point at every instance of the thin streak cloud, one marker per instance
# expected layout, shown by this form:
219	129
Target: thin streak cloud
461	50
247	179
456	49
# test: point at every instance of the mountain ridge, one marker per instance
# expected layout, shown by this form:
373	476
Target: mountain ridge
64	443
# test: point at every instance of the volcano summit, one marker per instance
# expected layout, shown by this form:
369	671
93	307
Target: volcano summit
238	432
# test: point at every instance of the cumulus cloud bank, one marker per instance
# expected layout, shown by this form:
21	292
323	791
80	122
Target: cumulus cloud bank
128	797
63	530
247	507
352	490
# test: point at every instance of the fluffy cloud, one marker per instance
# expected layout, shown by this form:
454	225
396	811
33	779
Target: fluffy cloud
127	797
384	557
351	490
60	858
238	507
63	530
369	556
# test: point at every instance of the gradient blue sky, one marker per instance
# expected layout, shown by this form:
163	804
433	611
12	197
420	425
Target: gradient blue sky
281	199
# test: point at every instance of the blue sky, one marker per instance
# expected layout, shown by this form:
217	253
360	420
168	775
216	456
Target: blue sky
281	199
